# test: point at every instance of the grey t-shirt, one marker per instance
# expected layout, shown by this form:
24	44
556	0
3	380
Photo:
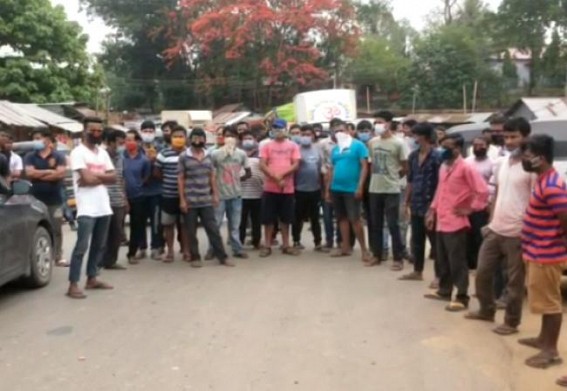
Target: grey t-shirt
228	168
386	157
308	176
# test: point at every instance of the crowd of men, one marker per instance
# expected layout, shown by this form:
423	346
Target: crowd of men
499	208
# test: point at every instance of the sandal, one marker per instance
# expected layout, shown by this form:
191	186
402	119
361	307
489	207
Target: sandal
479	316
62	263
169	258
397	266
374	261
338	253
99	285
456	306
437	296
294	252
543	361
531	342
76	295
414	276
505	330
265	252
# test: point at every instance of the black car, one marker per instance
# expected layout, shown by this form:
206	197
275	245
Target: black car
26	244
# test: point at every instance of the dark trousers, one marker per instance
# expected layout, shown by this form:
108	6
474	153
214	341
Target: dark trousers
332	227
386	206
95	231
453	265
419	236
114	238
496	252
153	213
138	213
307	207
477	221
56	215
251	211
208	220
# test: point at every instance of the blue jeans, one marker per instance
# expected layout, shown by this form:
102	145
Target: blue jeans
153	210
67	212
329	222
95	230
233	210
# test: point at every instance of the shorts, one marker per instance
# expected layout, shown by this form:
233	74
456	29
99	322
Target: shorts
278	207
346	206
170	211
544	288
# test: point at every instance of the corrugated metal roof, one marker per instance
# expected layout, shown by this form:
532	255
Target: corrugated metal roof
451	118
12	115
50	118
230	118
547	108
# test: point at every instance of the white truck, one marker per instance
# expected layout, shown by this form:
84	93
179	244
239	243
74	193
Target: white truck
324	105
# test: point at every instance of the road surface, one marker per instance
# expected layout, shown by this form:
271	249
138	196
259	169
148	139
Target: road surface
308	323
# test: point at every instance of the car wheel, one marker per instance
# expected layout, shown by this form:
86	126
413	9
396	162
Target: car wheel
41	259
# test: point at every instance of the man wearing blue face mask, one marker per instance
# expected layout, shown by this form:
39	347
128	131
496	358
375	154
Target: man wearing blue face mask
308	182
295	133
46	169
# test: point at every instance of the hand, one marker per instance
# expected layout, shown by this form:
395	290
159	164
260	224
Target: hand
359	195
328	197
277	178
430	221
463	212
407	211
281	183
183	206
216	201
484	231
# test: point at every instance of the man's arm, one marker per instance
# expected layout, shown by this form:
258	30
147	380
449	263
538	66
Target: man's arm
293	168
479	190
328	180
265	169
56	175
181	186
247	169
214	188
362	178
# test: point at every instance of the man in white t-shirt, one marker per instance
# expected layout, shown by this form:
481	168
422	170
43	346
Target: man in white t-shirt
502	242
16	162
92	171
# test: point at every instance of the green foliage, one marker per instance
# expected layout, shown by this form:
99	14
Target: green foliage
44	56
554	63
509	71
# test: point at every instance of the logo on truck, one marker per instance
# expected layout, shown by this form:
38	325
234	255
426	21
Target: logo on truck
326	111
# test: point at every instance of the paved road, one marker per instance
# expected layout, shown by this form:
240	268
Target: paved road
308	323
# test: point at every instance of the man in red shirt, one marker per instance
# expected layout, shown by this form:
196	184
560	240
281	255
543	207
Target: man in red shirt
544	246
461	191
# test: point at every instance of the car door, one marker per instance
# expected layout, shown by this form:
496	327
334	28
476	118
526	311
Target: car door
15	231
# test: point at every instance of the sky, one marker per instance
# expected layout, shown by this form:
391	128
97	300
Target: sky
413	10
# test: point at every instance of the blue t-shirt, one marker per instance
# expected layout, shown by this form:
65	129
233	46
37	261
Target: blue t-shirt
308	176
346	167
136	170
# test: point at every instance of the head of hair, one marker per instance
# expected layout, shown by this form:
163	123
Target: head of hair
410	123
43	132
386	115
242	123
364	125
136	134
178	129
335	122
498	120
257	129
228	130
540	145
424	129
294	126
111	135
199	132
148	124
457	139
245	133
317	126
91	120
486	130
440	128
518	125
169	124
307	128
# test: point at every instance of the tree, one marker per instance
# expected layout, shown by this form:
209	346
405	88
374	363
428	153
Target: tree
524	24
509	71
554	62
44	56
289	41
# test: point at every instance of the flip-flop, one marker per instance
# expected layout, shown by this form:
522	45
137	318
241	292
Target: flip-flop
543	361
397	266
76	295
99	286
456	306
168	258
437	296
62	263
339	254
479	316
505	330
531	343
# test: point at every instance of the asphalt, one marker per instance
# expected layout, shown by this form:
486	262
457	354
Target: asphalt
282	323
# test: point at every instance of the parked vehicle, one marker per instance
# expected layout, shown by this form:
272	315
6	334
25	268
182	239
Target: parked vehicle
26	248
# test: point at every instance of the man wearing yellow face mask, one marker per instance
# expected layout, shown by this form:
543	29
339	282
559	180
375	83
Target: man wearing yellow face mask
166	168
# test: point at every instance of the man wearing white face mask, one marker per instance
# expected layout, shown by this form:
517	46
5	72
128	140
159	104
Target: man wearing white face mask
152	192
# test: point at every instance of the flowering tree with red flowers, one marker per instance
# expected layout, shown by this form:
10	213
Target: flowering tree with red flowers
278	42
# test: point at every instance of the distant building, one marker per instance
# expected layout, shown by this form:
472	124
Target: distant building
522	60
539	108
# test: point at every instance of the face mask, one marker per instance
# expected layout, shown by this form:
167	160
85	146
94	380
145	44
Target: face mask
379	129
305	141
446	154
343	140
413	144
121	149
364	137
76	142
480	152
131	146
178	142
531	165
94	139
248	145
220	140
277	133
39	145
296	139
198	145
148	138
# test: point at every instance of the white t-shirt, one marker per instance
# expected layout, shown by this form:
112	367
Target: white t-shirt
16	163
513	195
91	201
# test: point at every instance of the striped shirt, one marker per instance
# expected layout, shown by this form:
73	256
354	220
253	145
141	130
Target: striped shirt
116	190
543	238
197	173
167	163
253	187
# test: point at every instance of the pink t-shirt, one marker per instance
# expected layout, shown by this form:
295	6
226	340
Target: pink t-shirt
279	157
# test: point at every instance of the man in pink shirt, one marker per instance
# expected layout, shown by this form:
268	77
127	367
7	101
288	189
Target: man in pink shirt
461	191
501	247
279	159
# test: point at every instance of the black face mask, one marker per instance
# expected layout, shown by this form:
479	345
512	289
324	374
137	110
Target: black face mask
94	139
480	153
531	165
198	145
